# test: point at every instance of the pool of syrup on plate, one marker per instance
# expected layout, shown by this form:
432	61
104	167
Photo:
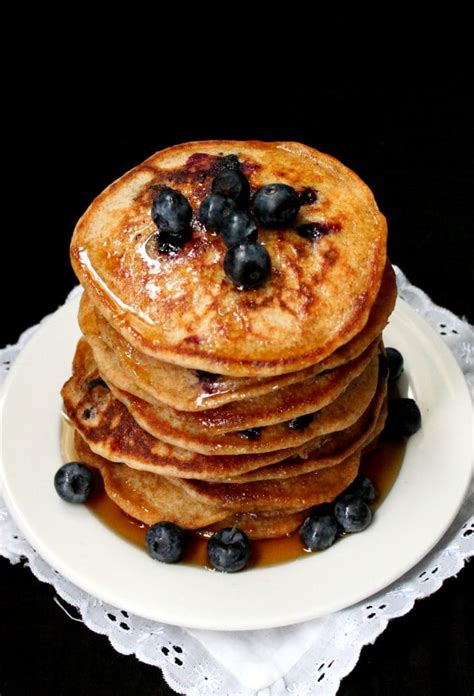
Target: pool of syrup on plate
381	465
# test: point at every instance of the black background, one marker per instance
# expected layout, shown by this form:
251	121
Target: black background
412	144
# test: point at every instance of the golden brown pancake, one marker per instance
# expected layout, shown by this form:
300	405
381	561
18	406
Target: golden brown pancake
124	441
183	389
296	492
182	428
200	437
150	498
329	450
275	407
182	309
263	525
236	416
111	431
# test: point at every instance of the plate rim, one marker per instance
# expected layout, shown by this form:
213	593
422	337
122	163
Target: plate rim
166	616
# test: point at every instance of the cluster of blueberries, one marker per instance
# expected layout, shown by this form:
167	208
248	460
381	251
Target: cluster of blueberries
229	549
226	211
403	415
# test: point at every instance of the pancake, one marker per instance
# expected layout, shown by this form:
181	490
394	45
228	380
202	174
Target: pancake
296	492
329	450
184	386
150	498
223	427
173	429
193	430
182	309
179	427
263	525
147	497
185	390
124	441
111	431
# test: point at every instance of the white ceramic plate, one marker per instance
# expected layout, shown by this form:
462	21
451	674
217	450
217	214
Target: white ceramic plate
423	502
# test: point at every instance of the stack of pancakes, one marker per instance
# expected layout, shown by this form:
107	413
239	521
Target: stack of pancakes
206	405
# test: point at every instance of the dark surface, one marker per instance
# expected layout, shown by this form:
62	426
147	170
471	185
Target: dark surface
413	146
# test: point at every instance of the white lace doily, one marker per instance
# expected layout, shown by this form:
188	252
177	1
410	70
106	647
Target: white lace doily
310	658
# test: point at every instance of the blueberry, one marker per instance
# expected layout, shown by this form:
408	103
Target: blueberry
353	514
237	228
403	419
230	162
228	550
171	212
307	196
73	482
317	230
362	487
247	265
231	183
89	413
395	364
165	542
276	205
319	530
301	422
213	210
168	243
204	376
384	370
251	433
96	382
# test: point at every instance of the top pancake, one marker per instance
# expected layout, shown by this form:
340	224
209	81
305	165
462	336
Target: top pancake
182	309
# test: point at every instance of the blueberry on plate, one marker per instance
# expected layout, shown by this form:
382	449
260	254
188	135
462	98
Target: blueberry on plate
237	228
319	530
362	487
73	482
228	550
276	205
384	370
231	183
171	212
395	364
165	542
247	265
213	210
352	513
403	418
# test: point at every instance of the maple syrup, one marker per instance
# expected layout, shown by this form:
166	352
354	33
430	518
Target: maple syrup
381	465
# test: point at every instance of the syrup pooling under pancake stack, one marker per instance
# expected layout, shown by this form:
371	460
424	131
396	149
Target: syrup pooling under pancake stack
202	402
